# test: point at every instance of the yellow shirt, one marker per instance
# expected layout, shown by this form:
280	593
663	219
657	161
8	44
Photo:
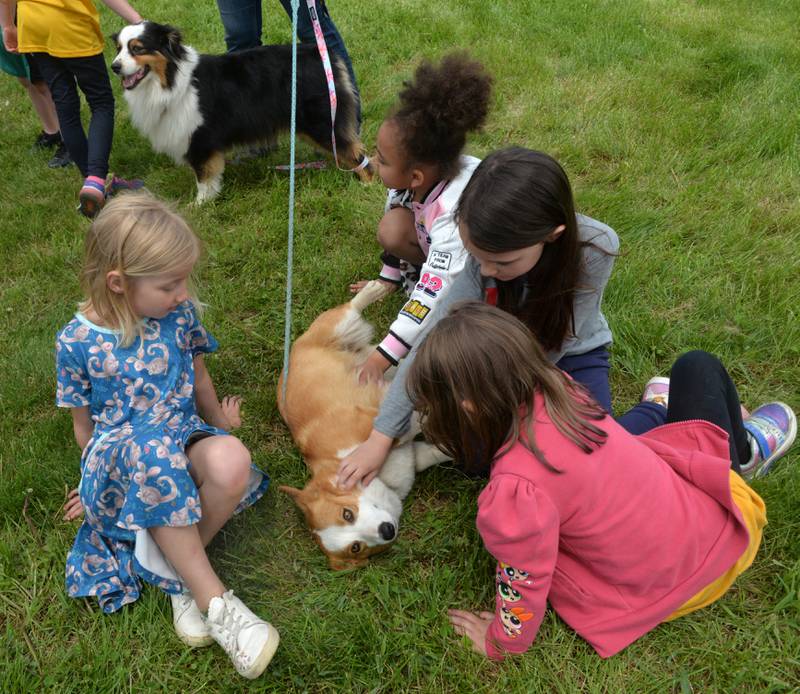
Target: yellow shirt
61	28
755	517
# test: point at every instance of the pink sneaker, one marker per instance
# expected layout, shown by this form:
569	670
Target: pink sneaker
92	196
772	428
657	391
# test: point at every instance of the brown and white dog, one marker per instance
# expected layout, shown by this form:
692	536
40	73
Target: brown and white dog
196	107
329	414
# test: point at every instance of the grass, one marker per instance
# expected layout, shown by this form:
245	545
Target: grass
677	121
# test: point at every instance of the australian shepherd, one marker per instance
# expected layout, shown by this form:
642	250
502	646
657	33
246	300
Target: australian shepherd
196	107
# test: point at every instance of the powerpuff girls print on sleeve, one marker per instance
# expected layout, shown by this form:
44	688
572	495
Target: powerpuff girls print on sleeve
519	526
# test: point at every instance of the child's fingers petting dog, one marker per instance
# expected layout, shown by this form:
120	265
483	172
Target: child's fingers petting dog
373	369
364	463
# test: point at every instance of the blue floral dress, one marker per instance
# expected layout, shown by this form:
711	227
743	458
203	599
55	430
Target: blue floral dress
134	471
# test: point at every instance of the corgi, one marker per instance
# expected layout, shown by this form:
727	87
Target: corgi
329	414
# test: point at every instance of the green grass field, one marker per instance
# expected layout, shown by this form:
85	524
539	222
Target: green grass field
677	121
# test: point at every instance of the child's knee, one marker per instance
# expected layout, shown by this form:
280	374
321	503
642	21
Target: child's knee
694	365
396	229
231	465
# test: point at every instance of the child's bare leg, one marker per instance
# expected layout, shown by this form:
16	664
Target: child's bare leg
398	236
185	551
220	467
43	104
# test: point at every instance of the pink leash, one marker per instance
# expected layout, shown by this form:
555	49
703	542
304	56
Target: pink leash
326	66
322	48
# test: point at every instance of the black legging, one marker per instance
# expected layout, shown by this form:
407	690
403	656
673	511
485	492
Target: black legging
700	388
65	76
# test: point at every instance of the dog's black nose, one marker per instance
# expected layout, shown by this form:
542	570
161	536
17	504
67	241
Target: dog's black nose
116	67
387	531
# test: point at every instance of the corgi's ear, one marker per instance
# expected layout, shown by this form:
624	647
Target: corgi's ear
296	494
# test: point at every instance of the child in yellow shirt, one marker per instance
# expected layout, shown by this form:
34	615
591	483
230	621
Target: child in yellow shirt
63	40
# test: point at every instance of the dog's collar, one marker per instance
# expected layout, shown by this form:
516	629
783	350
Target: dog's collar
363	165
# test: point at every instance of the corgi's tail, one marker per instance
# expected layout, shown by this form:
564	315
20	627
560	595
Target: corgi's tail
353	332
373	291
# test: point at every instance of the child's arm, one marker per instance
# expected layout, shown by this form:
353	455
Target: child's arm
225	414
364	463
598	261
446	259
82	425
519	525
7	9
124	10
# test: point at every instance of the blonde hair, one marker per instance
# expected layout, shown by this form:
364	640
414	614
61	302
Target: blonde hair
136	235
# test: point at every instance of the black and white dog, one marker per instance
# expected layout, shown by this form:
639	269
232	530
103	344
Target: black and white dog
196	107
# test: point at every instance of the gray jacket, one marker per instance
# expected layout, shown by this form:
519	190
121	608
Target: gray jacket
591	328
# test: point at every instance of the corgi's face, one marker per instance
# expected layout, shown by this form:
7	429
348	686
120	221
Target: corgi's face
147	51
349	526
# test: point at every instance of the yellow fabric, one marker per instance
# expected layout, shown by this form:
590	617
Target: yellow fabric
61	28
754	513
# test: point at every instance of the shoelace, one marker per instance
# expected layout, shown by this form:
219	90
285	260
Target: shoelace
233	623
184	602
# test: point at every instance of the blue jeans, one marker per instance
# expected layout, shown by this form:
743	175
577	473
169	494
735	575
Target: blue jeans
242	21
591	371
64	76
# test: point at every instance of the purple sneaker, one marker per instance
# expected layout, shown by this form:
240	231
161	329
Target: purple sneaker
117	185
657	390
773	428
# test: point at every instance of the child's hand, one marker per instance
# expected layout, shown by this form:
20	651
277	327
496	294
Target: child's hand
364	462
356	287
73	508
473	625
231	406
10	38
373	368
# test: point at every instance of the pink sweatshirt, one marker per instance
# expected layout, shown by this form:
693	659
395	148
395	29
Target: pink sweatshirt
617	541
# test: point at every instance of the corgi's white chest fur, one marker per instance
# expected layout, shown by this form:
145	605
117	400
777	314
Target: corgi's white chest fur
167	117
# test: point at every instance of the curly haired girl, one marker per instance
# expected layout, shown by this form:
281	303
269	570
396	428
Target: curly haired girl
419	158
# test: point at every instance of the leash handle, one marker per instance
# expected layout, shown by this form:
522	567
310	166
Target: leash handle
322	48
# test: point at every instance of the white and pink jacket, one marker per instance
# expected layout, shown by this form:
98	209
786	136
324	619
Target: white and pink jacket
437	234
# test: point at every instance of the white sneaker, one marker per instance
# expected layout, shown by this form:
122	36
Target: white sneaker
250	642
188	620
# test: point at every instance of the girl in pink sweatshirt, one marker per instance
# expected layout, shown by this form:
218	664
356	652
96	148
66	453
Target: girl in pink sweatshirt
618	532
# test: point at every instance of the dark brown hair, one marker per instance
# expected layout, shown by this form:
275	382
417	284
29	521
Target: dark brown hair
439	107
473	381
516	198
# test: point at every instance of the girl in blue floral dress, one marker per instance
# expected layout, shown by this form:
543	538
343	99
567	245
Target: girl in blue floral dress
160	474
